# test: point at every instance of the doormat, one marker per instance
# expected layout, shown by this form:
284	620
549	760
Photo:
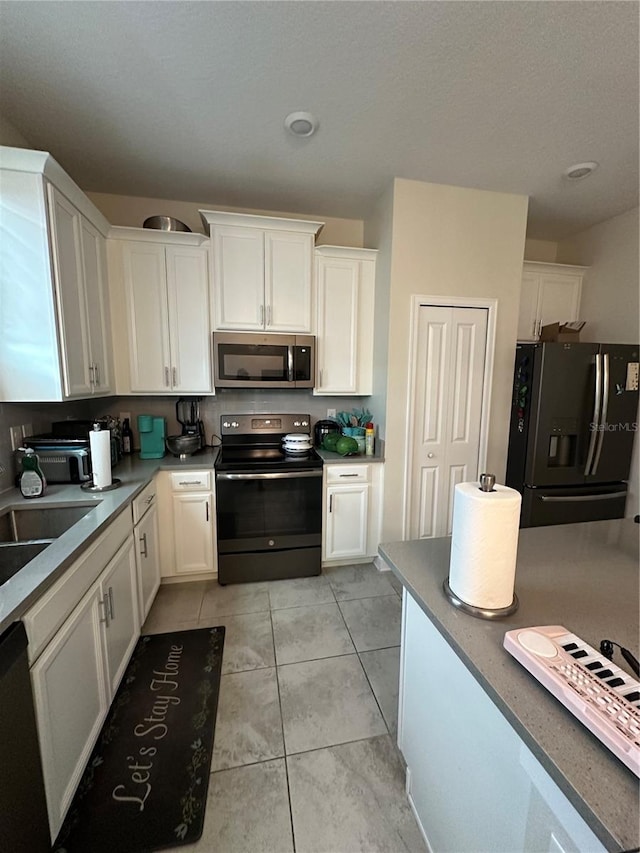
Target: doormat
145	786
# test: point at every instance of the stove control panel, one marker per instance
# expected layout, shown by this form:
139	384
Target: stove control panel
264	424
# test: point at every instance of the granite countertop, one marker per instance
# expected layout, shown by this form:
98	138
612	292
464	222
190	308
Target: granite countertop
25	587
582	576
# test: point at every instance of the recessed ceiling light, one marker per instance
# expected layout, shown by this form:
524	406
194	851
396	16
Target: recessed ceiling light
301	124
580	171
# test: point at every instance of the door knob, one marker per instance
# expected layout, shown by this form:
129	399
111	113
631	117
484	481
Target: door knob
430	455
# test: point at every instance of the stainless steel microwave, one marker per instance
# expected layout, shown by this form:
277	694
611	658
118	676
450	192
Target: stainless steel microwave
243	360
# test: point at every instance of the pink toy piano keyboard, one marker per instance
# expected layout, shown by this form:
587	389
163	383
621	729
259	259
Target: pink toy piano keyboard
599	694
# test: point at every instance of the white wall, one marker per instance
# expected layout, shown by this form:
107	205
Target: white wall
10	135
460	242
610	292
541	250
133	210
611	297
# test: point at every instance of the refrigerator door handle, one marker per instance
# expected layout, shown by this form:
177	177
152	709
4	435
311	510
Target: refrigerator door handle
609	496
603	415
595	421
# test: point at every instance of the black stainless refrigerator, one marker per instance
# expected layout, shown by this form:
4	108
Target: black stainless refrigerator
573	422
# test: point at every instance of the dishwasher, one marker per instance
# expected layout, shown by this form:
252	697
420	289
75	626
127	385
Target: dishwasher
24	825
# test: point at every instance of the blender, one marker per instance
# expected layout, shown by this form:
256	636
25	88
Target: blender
188	416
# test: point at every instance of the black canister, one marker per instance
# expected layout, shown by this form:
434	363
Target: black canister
323	428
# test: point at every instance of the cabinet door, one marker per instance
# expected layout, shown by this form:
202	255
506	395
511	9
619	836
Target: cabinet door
95	286
238	266
559	298
288	267
193	532
148	561
337	327
120	596
528	312
71	702
346	521
146	294
67	259
189	333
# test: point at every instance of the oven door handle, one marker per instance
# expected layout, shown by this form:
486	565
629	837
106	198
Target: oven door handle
272	475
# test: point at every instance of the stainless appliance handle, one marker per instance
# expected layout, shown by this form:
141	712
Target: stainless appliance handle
272	475
595	421
603	413
290	363
575	498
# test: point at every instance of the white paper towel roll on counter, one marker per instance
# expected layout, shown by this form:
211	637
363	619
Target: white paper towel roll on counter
100	443
484	545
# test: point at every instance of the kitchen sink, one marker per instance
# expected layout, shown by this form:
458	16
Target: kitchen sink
15	556
25	525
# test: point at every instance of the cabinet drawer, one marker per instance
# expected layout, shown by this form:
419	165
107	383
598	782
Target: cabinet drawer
348	473
144	501
194	481
48	614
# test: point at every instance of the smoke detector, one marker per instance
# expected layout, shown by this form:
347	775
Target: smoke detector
580	171
301	124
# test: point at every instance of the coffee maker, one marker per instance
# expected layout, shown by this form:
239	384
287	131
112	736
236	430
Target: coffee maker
188	416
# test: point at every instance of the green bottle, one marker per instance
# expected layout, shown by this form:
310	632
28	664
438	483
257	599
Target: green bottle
32	481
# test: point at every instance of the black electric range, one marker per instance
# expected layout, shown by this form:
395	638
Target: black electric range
268	502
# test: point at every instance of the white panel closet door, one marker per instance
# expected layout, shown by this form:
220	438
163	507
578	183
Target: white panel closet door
445	435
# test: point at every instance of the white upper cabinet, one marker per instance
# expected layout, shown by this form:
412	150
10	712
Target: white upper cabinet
55	342
550	293
345	285
262	272
163	282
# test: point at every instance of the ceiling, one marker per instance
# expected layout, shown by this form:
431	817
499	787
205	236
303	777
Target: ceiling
186	100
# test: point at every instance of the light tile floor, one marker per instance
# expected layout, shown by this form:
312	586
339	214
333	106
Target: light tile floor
305	757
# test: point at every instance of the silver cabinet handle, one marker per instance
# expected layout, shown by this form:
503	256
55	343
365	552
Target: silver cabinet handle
175	376
92	378
143	550
96	373
348	475
166	376
103	603
262	315
268	315
330	503
207	509
535	326
111	607
320	378
150	498
190	483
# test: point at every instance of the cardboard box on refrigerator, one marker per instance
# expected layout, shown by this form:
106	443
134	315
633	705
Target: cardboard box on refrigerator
562	332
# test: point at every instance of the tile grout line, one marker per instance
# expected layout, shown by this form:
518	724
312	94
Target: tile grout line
284	743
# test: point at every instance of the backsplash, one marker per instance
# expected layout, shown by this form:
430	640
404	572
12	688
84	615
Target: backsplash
227	401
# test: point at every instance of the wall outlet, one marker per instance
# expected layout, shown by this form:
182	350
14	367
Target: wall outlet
16	437
125	415
331	413
27	430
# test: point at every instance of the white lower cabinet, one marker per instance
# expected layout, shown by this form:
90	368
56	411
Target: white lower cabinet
549	293
71	698
352	495
187	523
81	633
483	771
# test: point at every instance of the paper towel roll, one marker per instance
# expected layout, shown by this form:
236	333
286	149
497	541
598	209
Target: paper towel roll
484	545
100	443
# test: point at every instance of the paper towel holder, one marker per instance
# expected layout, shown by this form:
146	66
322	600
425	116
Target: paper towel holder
487	483
89	487
479	612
